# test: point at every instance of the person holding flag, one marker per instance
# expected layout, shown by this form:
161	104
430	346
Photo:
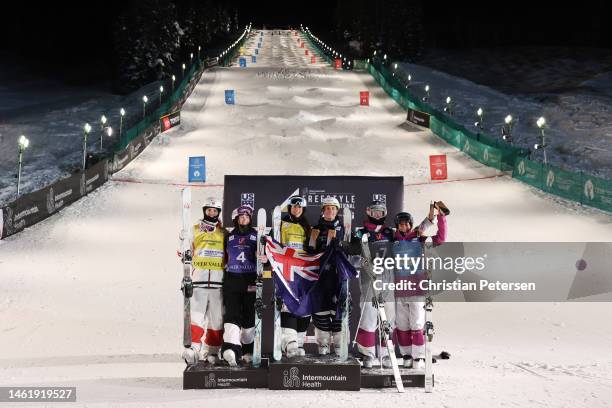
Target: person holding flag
328	232
307	283
295	230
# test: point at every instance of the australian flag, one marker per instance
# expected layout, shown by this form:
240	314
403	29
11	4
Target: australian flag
310	283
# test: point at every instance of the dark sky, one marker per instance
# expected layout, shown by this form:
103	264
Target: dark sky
78	33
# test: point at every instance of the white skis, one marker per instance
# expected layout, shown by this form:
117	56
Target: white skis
278	304
261	229
186	237
429	332
344	333
379	304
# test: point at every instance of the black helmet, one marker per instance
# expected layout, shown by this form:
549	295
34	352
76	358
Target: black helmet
403	216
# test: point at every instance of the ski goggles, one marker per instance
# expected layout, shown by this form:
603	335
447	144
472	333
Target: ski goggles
377	207
301	201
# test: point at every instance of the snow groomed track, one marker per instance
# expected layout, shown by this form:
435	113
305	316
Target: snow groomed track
89	297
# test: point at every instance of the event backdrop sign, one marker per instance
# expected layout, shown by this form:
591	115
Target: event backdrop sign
355	192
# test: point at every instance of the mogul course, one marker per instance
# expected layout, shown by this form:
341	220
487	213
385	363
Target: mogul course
456	285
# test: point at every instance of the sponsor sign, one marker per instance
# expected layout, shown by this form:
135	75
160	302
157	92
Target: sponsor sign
230	97
418	118
364	98
197	169
437	167
169	121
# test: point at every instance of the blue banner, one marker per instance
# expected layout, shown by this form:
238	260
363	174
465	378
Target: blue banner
242	62
197	169
230	98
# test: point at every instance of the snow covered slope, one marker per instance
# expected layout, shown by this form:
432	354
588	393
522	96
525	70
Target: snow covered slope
90	297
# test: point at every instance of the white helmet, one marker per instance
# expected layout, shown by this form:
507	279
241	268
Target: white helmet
330	201
212	202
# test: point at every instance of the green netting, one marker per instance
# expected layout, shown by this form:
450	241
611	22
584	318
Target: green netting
453	136
576	186
597	192
359	64
133	132
152	117
529	172
561	182
485	154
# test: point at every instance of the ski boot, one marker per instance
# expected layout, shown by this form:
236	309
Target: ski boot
408	361
230	357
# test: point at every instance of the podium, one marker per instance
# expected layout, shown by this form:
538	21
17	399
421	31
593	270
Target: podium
299	373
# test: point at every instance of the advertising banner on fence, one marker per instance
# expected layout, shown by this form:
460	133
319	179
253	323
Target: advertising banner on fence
211	62
34	207
171	120
418	118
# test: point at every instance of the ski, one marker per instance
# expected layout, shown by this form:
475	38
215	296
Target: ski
344	333
278	304
261	229
429	332
379	304
186	237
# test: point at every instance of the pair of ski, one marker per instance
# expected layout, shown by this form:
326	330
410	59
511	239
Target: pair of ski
385	327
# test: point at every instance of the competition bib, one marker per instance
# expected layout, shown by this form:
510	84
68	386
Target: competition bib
208	249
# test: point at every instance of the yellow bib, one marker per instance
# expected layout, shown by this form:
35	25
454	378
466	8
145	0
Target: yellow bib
293	236
208	249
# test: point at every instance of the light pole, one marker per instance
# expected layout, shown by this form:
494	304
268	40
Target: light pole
480	122
144	106
109	133
86	131
183	71
426	97
542	145
103	121
173	79
507	129
449	106
23	144
199	49
161	91
121	115
191	58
